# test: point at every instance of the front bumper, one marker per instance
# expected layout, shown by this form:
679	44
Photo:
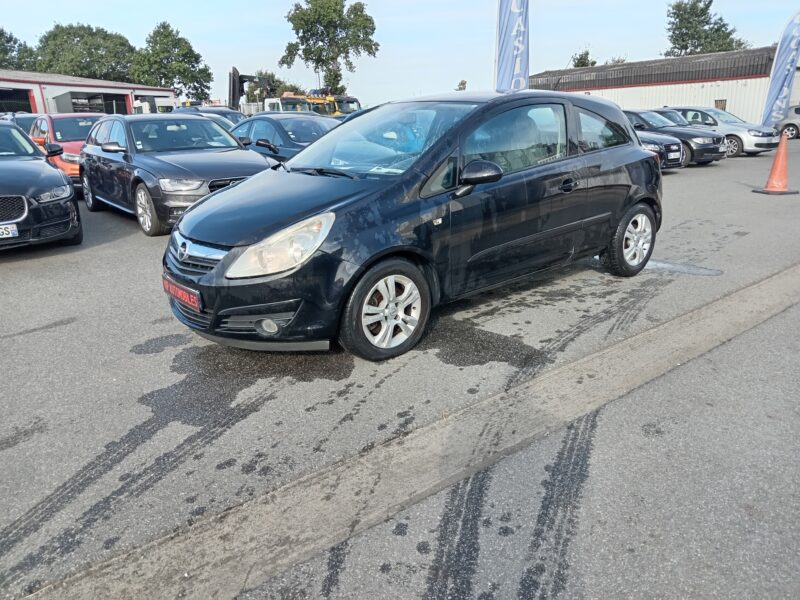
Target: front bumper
305	304
45	223
751	143
708	152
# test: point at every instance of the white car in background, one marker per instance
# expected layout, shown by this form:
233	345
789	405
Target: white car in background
790	126
741	136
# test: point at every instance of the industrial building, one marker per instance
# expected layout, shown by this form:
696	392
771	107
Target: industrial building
734	81
52	93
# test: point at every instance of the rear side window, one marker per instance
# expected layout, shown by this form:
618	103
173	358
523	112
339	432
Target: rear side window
520	138
598	132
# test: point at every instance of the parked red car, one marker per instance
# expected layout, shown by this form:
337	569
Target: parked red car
69	130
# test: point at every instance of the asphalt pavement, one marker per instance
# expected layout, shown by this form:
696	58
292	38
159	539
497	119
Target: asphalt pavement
121	427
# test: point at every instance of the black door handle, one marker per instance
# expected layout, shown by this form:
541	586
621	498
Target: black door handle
568	185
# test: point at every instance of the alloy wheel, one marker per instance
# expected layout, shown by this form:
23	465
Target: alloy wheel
87	192
790	131
732	147
143	210
638	239
391	311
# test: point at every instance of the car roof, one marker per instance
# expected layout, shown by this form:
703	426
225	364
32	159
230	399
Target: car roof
160	116
77	114
482	97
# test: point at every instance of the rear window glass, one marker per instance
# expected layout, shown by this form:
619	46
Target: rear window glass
72	129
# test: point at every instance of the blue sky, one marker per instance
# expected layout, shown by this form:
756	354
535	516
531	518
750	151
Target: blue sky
426	45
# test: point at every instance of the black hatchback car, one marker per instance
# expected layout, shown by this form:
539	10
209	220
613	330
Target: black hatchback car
700	146
156	166
412	205
37	202
281	135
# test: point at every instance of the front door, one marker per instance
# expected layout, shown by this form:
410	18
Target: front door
530	218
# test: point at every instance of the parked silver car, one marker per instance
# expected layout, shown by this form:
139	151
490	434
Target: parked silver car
790	126
740	135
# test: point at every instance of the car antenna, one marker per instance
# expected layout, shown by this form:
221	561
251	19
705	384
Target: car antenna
555	85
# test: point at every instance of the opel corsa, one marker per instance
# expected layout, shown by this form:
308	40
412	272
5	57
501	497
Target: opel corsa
414	204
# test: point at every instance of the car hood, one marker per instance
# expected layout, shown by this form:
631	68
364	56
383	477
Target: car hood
262	205
685	132
203	164
656	138
29	176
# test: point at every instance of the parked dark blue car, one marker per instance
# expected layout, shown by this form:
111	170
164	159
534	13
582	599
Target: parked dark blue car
411	205
281	135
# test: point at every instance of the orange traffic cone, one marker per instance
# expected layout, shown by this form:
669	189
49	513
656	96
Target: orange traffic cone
777	183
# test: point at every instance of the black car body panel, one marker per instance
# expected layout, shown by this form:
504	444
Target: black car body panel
114	176
280	128
466	240
22	181
712	150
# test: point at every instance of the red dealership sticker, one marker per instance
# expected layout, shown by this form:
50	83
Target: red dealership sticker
182	294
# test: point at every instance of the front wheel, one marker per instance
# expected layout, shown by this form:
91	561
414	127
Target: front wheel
387	311
688	155
734	146
791	131
92	203
146	213
632	245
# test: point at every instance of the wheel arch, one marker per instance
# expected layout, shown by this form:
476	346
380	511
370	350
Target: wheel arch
411	254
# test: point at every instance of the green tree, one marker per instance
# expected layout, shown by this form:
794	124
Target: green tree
328	37
269	85
582	59
616	60
15	54
693	29
169	60
85	51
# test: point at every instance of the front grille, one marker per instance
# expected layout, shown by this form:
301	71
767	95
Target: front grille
52	230
12	208
191	265
218	184
719	140
673	147
192	318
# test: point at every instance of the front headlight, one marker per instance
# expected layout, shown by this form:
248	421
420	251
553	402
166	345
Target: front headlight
700	140
180	185
57	193
652	147
284	250
71	158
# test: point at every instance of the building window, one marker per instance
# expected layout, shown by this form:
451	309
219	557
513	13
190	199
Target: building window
721	104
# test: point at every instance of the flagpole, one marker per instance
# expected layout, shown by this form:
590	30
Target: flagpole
496	44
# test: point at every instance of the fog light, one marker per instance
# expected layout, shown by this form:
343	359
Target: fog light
266	327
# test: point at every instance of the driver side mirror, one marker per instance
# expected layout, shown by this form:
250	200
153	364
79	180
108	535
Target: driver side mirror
52	150
638	126
112	147
268	145
475	173
245	141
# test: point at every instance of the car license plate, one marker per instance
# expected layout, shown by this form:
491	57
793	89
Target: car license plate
8	231
182	294
672	155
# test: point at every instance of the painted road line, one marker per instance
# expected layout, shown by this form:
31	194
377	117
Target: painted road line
248	544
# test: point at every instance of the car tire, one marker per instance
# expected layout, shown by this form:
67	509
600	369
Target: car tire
146	213
75	240
395	320
734	144
791	131
92	203
633	242
688	155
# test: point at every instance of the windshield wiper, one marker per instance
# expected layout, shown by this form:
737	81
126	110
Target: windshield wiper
325	171
280	163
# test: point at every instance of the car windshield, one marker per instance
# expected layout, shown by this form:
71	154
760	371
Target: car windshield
656	120
725	117
13	143
25	122
165	135
674	116
305	130
385	141
72	129
348	106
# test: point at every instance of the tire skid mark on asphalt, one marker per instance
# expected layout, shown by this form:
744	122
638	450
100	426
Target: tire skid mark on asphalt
455	560
337	556
205	398
557	520
22	434
48	327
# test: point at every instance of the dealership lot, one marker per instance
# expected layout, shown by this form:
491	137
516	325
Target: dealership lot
120	426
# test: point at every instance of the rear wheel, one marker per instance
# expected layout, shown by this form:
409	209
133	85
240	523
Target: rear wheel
92	203
633	242
146	213
387	311
734	146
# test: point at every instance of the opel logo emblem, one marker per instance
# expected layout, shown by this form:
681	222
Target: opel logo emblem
183	252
